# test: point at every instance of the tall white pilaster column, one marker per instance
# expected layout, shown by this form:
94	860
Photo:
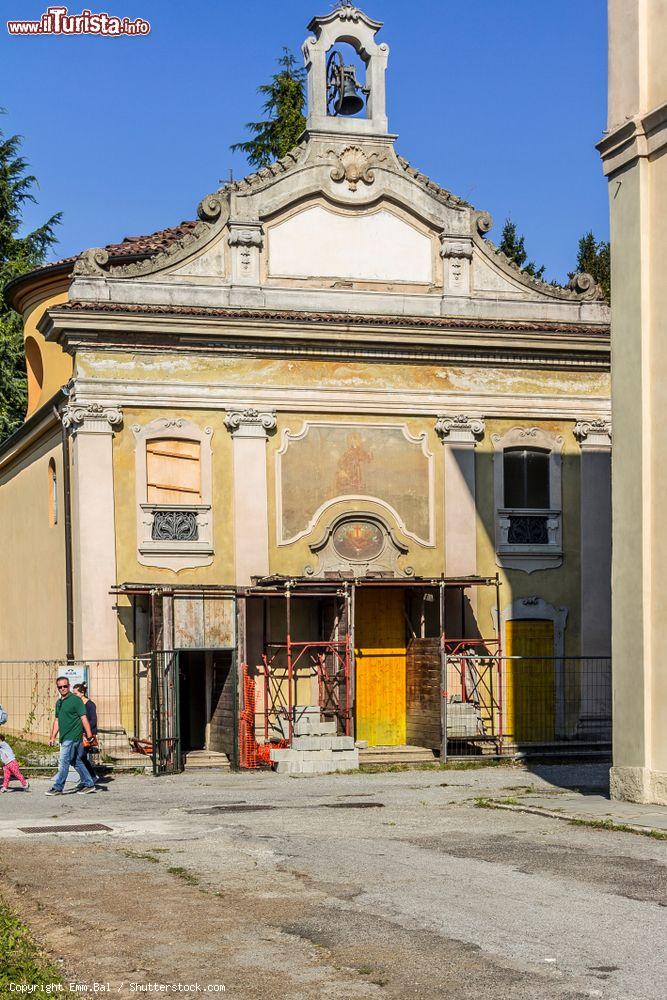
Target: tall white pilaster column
93	528
594	438
249	429
459	435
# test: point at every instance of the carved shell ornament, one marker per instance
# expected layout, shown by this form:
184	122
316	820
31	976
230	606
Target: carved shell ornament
354	167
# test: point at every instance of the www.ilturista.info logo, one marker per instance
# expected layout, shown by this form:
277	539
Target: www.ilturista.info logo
58	21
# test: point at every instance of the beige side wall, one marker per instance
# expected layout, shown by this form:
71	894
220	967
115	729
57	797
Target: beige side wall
658	310
32	585
637	174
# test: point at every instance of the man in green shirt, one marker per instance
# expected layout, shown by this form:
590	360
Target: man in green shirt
70	724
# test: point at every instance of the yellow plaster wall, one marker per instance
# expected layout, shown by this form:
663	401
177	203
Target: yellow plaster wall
129	569
32	583
560	586
56	365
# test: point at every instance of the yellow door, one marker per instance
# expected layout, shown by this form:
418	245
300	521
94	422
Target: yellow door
379	624
530	684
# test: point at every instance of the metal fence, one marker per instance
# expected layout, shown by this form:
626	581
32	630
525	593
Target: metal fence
504	705
119	688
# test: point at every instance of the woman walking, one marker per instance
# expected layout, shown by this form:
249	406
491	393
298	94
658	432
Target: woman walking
91	714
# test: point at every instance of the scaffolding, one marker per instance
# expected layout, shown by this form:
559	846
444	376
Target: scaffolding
470	666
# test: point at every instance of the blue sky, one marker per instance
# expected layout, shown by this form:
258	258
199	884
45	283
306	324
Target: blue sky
501	101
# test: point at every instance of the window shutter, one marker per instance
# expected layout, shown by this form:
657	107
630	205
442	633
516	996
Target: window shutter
173	471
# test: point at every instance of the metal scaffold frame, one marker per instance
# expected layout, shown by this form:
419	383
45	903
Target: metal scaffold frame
333	660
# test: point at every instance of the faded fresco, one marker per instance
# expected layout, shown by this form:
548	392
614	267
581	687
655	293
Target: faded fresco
359	460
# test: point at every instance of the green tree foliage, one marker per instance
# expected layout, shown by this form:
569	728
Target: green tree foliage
283	107
513	246
18	254
594	258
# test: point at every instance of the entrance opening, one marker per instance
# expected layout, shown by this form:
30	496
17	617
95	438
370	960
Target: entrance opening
380	656
192	690
206	700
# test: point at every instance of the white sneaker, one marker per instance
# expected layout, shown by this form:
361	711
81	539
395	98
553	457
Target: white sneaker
4	789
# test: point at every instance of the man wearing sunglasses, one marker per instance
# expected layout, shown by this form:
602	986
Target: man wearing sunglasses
70	724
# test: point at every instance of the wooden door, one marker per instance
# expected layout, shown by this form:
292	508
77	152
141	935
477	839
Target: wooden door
530	693
380	665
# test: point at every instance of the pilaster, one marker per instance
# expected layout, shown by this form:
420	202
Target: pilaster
594	438
459	435
92	426
249	429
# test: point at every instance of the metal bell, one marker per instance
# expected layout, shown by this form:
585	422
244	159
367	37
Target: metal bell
351	102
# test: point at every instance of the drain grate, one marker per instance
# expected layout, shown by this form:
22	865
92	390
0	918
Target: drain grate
70	828
354	805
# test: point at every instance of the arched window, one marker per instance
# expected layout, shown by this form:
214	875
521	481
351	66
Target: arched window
53	493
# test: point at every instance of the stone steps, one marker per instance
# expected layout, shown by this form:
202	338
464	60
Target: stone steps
199	760
396	755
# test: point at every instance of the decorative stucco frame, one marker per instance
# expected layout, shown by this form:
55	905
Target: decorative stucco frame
536	608
175	555
386	562
529	557
421	439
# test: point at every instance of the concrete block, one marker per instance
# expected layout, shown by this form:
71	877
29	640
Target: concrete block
339	743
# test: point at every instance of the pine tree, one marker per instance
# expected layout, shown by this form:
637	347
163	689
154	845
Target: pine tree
594	258
18	254
513	246
285	121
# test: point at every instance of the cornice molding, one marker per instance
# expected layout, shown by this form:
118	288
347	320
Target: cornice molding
298	399
636	138
275	335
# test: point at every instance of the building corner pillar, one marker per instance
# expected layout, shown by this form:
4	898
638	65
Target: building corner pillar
92	426
594	437
249	429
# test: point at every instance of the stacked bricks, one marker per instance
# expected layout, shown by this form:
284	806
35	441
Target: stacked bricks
316	749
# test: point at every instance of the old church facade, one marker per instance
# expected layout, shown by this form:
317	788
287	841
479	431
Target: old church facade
328	391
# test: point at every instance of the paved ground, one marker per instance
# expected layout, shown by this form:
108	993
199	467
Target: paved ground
356	886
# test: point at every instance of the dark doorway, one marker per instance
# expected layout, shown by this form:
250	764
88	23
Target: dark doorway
206	700
192	678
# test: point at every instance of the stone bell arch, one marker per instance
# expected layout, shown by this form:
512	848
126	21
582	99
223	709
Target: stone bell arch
346	24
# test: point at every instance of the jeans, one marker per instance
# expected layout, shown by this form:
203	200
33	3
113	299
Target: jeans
83	756
69	755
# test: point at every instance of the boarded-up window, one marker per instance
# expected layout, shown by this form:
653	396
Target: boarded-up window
173	473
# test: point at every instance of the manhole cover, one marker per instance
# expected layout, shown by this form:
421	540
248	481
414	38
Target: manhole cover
354	805
70	828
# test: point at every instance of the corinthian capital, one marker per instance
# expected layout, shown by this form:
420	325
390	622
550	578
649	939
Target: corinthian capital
96	418
460	429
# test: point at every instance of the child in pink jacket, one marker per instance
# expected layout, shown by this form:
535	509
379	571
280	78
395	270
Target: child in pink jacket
10	767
